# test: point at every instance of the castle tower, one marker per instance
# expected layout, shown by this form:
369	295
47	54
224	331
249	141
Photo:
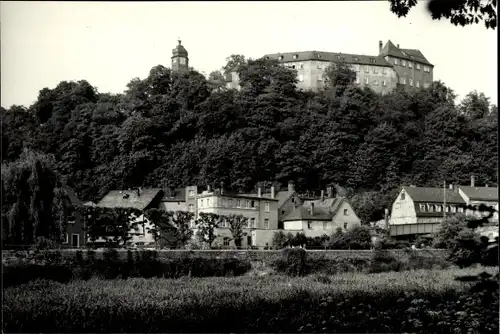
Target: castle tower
180	60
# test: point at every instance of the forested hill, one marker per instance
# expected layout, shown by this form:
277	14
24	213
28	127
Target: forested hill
182	129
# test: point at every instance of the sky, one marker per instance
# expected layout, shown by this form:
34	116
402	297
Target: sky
109	43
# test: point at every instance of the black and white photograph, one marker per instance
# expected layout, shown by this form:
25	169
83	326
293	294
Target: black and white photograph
249	166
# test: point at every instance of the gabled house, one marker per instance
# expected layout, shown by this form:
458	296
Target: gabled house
323	216
421	210
75	227
142	199
287	202
475	196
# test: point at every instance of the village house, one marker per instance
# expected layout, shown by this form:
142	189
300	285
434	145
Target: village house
476	196
421	210
287	202
260	211
75	227
142	199
322	216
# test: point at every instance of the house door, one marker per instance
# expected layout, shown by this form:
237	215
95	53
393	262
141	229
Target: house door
249	240
75	240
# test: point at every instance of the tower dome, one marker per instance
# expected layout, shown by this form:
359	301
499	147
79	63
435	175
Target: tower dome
180	60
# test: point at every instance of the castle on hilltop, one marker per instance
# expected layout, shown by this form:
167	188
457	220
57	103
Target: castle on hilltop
392	67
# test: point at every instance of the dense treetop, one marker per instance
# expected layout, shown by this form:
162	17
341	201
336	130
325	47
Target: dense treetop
183	129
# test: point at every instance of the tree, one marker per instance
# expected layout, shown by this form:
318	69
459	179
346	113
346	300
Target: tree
459	12
206	225
34	201
338	76
475	106
232	63
181	220
358	237
236	225
162	229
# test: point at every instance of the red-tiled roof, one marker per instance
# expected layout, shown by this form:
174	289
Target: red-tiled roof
129	198
329	57
390	49
433	195
481	193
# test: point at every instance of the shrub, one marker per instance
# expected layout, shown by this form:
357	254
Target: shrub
382	261
292	262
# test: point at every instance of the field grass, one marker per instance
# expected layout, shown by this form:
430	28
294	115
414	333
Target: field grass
348	302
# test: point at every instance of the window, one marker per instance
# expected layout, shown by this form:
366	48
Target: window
182	61
252	222
266	224
301	77
67	239
395	61
252	204
208	201
372	60
417	83
280	57
293	199
192	224
447	208
295	56
301	65
403	196
266	207
345	226
191	208
238	203
384	70
320	77
367	69
367	81
320	66
384	83
431	208
309	225
226	241
402	81
230	203
357	80
403	62
346	212
282	212
191	193
325	225
426	85
201	203
439	208
417	66
410	64
453	209
411	82
375	69
427	69
375	82
356	58
460	209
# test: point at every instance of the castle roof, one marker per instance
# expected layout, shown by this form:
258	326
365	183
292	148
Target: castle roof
390	49
329	57
179	51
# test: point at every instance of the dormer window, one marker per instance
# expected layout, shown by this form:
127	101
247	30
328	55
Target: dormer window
356	59
372	60
422	207
395	61
295	56
280	57
318	55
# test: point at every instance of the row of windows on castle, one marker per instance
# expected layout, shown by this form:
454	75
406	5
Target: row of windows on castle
356	67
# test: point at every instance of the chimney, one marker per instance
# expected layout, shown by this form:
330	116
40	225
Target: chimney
272	192
379	46
259	191
291	187
386	218
312	209
397	46
322	195
472	181
209	188
329	192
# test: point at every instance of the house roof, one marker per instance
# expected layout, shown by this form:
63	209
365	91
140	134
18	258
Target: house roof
119	198
283	197
323	210
481	193
329	57
72	196
390	49
174	195
433	195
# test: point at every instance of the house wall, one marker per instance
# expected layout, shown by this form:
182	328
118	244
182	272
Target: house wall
340	218
289	205
411	73
75	226
174	206
403	210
